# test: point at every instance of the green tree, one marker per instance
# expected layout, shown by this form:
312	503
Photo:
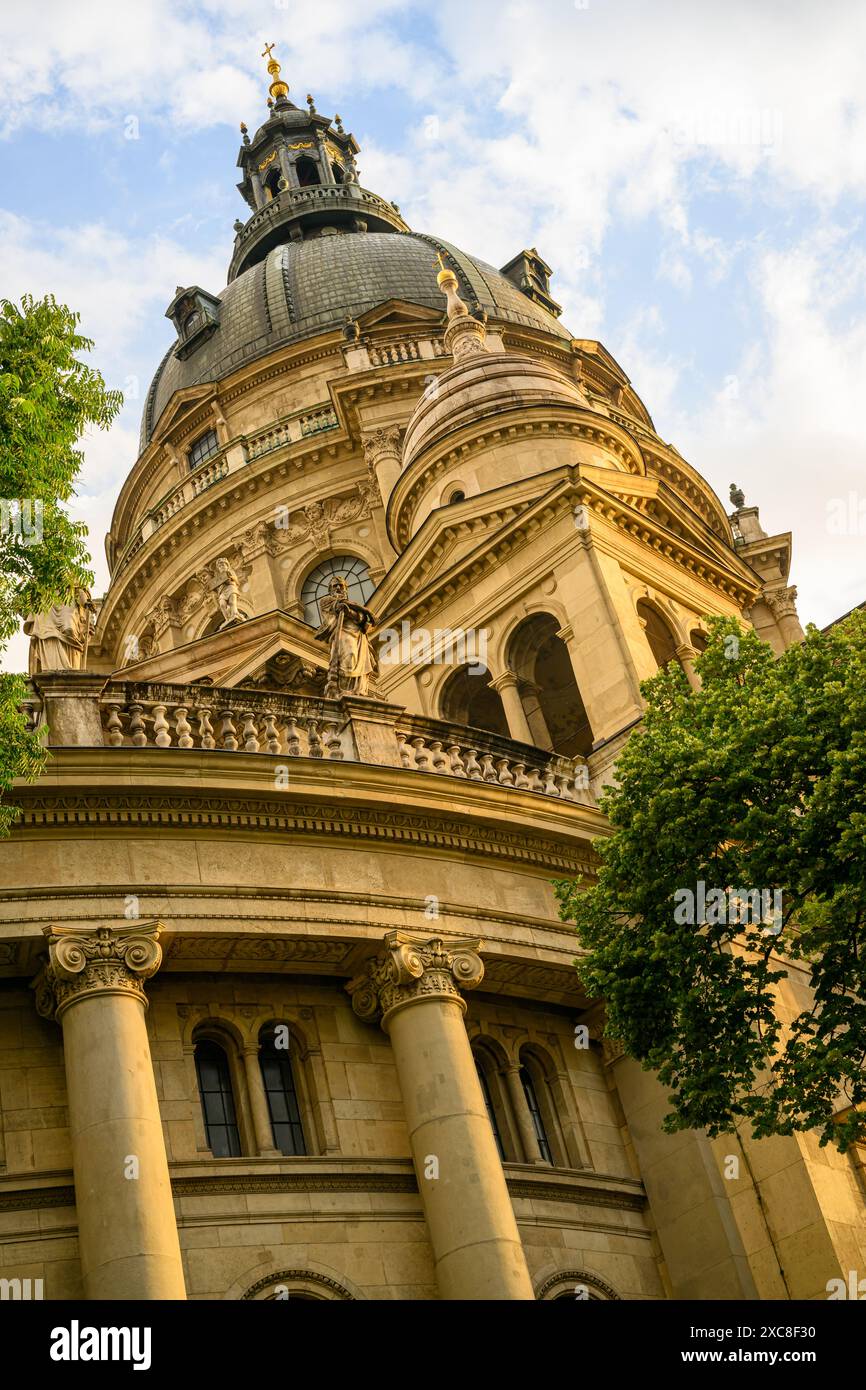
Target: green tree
48	399
757	781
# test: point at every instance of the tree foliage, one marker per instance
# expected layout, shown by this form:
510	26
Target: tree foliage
48	400
757	781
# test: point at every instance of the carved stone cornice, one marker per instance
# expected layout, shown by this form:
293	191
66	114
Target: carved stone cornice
412	969
105	960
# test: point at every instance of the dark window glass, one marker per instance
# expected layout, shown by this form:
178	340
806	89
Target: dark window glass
485	1091
217	1101
282	1097
535	1112
353	570
204	448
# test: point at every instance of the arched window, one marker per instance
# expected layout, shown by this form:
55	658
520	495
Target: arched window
528	1083
457	496
488	1101
549	693
658	634
308	171
217	1099
337	171
315	587
468	699
272	182
279	1083
699	640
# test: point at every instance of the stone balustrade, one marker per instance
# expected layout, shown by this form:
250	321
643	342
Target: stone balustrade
291	429
84	709
205	717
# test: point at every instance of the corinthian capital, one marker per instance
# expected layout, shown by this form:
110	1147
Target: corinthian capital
102	960
412	969
783	602
381	441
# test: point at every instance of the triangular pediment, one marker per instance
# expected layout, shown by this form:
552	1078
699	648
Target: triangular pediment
181	403
235	654
398	313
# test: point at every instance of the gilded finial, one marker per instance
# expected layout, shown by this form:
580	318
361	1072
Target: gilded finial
278	89
311	104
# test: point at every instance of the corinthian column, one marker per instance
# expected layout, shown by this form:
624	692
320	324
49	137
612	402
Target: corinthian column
93	984
414	990
382	452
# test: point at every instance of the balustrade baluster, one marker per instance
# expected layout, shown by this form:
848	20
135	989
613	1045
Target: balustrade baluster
228	732
504	773
421	757
137	729
458	767
403	748
316	750
293	738
439	760
113	727
488	771
205	728
250	734
161	735
271	734
473	766
183	728
333	741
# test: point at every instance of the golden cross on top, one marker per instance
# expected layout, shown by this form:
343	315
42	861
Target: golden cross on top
439	262
268	50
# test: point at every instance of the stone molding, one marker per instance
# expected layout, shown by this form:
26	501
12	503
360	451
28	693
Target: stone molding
104	960
412	969
49	810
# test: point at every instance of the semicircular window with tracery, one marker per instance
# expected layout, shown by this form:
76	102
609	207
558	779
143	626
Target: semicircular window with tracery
315	587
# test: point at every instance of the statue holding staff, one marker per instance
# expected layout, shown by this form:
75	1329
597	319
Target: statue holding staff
346	627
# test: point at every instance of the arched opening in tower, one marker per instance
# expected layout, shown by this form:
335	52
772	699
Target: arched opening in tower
272	183
468	699
658	634
547	687
308	172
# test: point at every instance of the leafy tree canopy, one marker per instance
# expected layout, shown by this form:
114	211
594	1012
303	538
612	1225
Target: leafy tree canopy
756	782
48	400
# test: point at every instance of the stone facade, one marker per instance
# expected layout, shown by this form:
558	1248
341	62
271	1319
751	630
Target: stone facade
286	1008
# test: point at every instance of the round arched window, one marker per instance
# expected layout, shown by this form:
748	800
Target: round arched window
353	570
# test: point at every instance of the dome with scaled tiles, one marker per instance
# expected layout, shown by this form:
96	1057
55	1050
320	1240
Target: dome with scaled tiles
312	286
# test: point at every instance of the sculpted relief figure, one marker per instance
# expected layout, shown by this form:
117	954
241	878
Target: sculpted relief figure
345	627
59	638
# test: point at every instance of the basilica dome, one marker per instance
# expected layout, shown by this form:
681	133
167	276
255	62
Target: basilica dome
306	287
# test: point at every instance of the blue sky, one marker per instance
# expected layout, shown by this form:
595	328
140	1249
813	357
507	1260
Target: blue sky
695	174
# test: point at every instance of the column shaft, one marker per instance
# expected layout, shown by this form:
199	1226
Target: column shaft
264	1130
415	990
476	1244
93	984
520	1106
